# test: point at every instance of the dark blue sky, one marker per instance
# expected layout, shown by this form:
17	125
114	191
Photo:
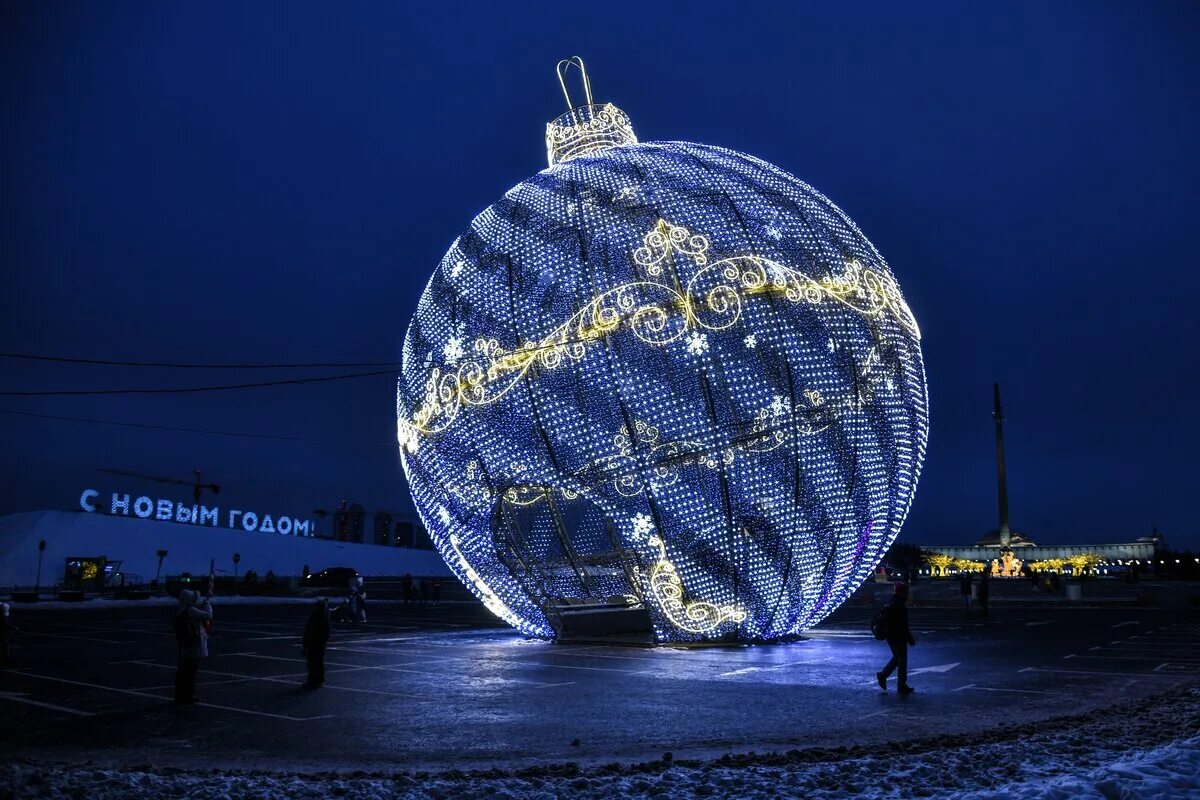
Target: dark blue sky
275	182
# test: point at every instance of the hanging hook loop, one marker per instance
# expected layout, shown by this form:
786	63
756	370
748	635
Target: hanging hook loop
563	68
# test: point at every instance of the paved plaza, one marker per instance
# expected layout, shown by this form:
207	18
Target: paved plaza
439	687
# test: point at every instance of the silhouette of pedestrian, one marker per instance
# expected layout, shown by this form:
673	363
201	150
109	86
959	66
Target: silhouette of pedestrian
985	589
964	586
424	589
899	638
6	628
190	633
316	637
360	601
437	591
407	583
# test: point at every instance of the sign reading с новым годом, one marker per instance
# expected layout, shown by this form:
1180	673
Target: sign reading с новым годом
195	514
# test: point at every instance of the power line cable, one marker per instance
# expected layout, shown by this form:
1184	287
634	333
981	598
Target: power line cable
185	365
190	389
207	431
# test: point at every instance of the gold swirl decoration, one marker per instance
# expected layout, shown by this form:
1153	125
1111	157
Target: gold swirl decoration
656	313
694	616
663	460
665	239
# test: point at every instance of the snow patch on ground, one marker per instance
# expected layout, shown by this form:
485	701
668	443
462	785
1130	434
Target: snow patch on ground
1149	749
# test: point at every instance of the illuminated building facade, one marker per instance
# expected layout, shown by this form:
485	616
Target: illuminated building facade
665	377
1005	552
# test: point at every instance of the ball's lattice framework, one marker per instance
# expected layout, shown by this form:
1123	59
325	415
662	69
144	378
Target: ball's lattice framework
667	374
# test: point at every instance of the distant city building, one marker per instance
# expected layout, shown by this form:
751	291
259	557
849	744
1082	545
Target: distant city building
348	522
383	528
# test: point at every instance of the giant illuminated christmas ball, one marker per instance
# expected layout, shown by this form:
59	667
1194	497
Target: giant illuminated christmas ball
664	377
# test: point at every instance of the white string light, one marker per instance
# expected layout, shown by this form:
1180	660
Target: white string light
663	371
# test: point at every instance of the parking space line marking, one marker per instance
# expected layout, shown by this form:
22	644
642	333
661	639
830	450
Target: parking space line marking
1150	657
400	668
1123	624
1148	645
512	662
243	680
999	689
161	697
1040	622
198	683
21	697
270	678
766	668
72	636
1103	673
341	636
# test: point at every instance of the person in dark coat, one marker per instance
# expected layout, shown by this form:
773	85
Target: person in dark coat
985	590
964	586
899	638
316	637
192	637
6	627
360	600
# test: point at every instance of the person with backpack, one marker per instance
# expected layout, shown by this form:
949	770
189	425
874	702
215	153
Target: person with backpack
891	624
191	635
316	637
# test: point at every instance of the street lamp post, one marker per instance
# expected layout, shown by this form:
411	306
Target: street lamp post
41	550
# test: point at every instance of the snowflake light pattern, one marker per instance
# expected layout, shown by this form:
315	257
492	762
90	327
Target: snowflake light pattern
642	395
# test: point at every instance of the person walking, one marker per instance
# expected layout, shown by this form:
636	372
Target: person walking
899	638
360	600
192	637
985	589
964	586
407	583
316	637
6	629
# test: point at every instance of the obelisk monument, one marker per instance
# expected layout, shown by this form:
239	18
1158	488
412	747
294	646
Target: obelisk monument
1005	532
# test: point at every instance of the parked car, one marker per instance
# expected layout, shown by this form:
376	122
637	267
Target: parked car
332	578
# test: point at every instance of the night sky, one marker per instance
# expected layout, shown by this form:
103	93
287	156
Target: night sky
275	182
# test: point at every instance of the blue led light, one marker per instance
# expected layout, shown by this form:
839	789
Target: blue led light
668	372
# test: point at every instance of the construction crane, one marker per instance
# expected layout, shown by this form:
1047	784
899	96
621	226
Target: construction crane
195	483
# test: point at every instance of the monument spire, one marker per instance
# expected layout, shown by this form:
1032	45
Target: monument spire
1001	475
